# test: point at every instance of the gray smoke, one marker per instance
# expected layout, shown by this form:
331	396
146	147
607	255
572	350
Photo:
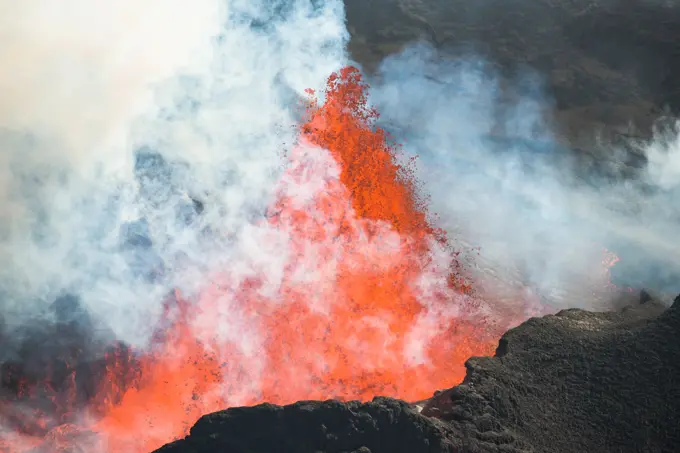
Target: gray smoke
140	144
538	214
122	121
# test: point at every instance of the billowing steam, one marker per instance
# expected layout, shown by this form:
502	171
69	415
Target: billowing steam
141	144
501	182
120	120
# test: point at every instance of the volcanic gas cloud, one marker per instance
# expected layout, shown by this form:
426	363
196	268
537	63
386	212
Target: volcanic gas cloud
371	301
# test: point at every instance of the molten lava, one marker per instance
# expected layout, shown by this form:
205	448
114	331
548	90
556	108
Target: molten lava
357	295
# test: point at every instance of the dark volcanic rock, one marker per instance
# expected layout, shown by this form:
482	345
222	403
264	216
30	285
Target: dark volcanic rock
590	50
573	382
576	382
382	426
605	62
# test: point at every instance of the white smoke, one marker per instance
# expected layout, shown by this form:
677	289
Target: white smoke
663	157
120	120
502	183
140	144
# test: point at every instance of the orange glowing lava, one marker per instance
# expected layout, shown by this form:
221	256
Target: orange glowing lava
348	292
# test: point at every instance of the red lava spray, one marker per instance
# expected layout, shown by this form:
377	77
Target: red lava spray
369	301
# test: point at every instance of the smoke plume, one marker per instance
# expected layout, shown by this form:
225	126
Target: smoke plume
121	120
536	212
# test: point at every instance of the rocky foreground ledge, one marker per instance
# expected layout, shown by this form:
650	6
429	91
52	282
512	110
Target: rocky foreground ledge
576	381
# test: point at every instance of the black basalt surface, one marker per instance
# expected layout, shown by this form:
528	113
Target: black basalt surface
574	382
383	425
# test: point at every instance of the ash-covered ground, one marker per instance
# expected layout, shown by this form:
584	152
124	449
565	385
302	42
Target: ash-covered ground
607	62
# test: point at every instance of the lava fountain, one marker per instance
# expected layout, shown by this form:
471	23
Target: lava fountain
369	299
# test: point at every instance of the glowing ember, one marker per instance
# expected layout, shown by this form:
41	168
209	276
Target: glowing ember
609	259
365	300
